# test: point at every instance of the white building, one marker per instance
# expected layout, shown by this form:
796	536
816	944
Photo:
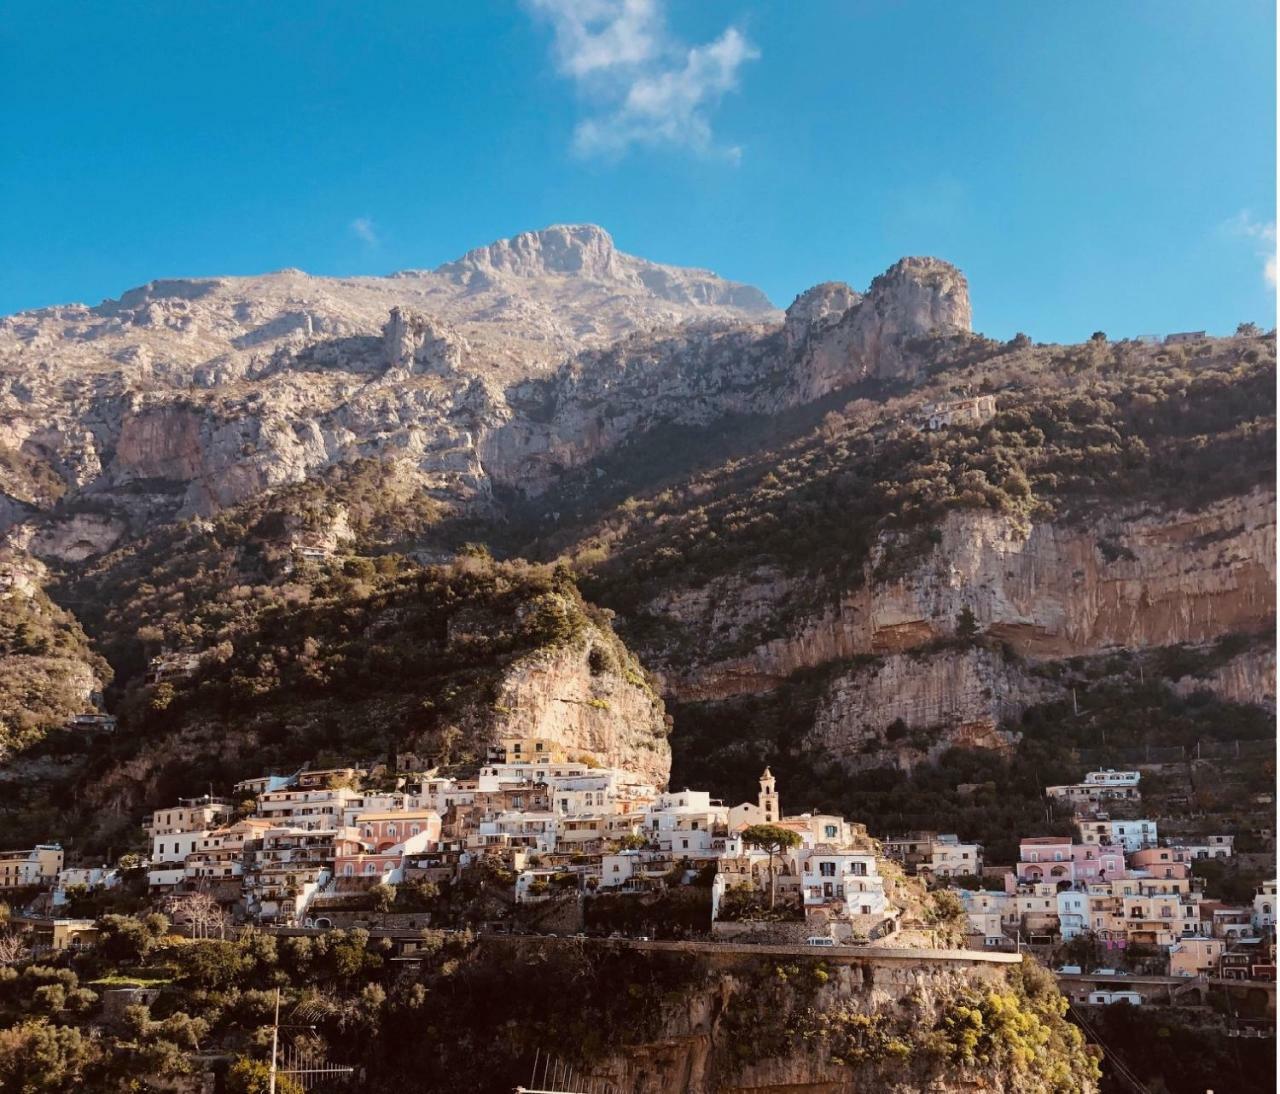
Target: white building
832	877
1073	913
178	831
316	810
765	810
1131	835
1099	787
685	822
972	410
988	914
1264	907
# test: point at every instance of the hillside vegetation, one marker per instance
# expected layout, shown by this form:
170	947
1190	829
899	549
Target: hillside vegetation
1078	428
472	1016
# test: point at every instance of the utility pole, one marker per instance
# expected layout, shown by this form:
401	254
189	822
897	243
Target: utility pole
275	1038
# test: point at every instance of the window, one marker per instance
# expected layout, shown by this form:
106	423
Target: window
827	869
831	831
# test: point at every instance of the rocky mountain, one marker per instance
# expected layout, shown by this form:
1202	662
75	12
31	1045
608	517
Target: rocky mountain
850	538
498	370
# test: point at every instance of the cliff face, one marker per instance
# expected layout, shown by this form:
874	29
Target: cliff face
610	712
1127	579
871	1026
915	297
514	363
961	696
442	663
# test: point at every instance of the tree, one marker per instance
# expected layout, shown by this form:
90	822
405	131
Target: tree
774	840
247	1076
128	939
37	1057
966	623
201	913
12	947
1098	336
382	896
1248	330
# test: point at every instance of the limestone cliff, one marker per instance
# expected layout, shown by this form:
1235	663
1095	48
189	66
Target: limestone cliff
609	711
442	662
833	1028
914	298
505	368
960	695
1128	579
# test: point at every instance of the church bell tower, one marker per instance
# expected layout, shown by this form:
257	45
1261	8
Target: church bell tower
769	809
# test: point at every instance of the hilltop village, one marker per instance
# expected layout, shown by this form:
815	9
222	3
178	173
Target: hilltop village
538	841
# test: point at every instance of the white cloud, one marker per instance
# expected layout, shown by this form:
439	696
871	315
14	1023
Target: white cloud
1263	233
645	86
362	228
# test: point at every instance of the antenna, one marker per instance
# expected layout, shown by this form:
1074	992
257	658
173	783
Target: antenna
300	1064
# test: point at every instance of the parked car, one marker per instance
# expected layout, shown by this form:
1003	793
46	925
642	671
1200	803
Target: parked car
1105	972
1069	970
819	940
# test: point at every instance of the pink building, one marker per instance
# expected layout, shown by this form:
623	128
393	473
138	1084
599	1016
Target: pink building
1160	862
1056	859
375	847
1156	860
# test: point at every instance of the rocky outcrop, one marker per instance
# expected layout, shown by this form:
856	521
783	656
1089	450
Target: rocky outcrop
610	712
162	441
816	308
522	360
586	252
416	343
754	1027
1128	580
1247	678
914	298
184	396
70	539
961	696
579	250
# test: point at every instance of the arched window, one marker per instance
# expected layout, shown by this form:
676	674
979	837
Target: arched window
415	830
348	869
391	829
370	868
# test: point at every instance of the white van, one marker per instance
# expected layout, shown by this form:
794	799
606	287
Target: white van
819	940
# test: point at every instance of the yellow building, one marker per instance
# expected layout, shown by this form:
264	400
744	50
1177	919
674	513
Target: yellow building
37	866
56	934
533	749
1196	956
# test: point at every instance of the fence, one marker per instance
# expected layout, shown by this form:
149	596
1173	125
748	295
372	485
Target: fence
1174	754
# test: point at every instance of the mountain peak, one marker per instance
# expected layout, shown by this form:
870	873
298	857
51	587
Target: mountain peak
583	250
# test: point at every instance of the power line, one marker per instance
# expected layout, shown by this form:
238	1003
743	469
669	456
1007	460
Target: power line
1117	1061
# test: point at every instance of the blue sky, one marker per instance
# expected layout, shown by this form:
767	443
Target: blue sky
1095	164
